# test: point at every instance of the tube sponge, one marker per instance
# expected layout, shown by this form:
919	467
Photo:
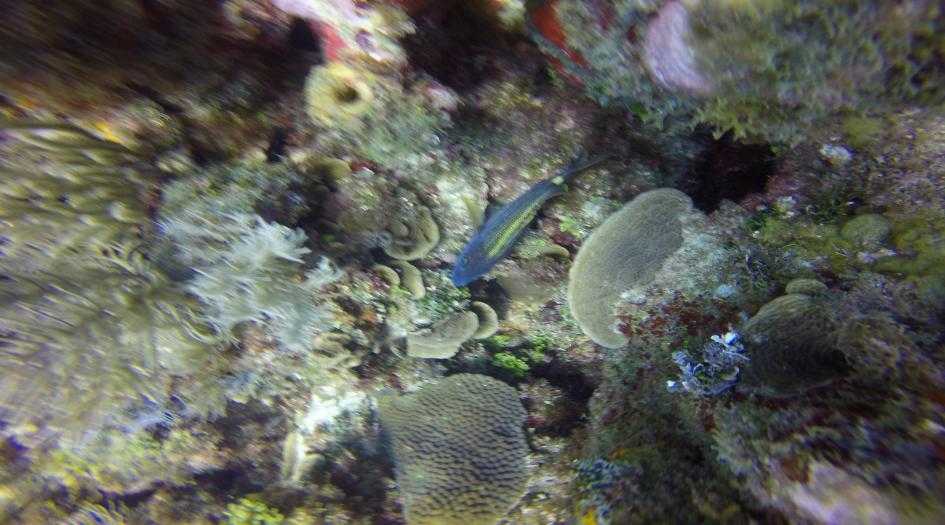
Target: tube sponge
338	95
459	446
626	250
384	116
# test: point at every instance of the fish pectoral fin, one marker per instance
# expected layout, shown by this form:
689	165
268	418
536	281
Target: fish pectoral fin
476	215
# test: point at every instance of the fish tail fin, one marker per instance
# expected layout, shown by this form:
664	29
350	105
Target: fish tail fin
581	163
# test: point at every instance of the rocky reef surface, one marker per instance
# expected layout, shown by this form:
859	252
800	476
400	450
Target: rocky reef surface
227	231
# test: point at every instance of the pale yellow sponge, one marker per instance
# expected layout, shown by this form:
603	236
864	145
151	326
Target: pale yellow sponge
460	450
339	96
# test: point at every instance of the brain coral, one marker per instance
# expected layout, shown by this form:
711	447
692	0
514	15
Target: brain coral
627	250
460	450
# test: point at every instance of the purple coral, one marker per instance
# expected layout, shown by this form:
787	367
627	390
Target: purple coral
669	58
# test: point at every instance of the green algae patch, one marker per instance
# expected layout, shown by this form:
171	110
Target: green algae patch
868	229
627	250
920	253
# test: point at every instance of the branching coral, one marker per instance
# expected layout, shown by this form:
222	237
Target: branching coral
252	281
246	269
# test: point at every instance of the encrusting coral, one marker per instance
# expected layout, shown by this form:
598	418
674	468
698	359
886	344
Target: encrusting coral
773	69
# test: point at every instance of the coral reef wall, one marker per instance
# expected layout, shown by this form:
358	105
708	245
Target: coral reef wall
229	229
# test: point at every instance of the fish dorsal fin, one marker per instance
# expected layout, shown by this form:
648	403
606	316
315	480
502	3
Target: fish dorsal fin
476	215
491	208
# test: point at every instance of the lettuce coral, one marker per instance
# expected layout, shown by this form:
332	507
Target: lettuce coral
89	322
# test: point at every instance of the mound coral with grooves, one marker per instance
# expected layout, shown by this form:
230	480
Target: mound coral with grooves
791	343
460	450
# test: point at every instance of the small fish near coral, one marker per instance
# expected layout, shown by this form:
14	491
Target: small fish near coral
502	231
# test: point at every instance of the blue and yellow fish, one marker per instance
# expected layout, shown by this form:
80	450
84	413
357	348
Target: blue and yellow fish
496	238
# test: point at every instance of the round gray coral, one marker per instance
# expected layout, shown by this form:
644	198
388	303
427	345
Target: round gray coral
792	345
460	450
627	250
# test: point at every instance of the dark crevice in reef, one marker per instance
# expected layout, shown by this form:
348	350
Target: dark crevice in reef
459	43
730	170
302	37
199	154
231	480
276	150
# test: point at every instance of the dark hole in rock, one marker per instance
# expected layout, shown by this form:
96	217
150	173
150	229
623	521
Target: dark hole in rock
346	94
302	37
458	42
728	169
